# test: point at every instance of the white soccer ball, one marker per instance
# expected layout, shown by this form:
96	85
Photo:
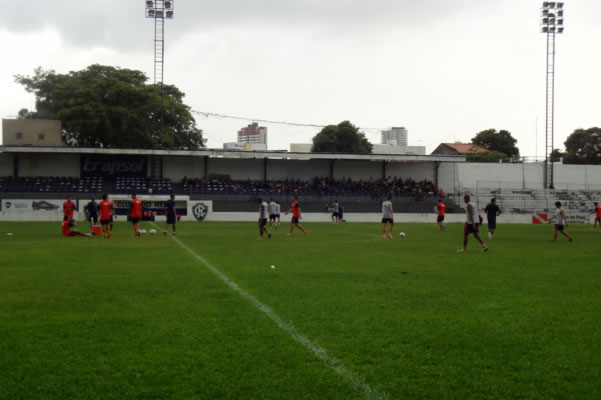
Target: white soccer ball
152	231
142	231
273	267
402	234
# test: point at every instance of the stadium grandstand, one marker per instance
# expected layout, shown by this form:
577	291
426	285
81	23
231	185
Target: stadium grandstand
233	180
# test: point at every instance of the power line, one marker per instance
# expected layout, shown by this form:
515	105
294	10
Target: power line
265	121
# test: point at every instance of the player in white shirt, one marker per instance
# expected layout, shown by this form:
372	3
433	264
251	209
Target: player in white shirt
272	212
561	222
387	217
263	212
472	221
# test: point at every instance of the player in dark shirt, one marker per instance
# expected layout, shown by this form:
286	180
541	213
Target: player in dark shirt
170	215
92	211
492	211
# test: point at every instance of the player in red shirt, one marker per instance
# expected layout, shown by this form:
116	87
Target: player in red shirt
597	213
68	228
135	213
441	210
296	216
106	214
68	208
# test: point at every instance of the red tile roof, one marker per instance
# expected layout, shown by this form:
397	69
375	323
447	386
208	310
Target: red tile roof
466	148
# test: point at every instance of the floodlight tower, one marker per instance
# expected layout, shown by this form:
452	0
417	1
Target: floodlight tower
551	21
159	10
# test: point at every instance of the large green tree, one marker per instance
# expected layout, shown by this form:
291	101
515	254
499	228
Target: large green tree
104	106
342	138
500	141
583	146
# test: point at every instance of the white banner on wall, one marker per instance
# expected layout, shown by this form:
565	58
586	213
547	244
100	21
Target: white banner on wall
32	210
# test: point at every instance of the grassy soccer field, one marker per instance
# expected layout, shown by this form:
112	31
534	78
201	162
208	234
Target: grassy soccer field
409	318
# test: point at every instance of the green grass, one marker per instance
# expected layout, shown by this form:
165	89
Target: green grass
141	318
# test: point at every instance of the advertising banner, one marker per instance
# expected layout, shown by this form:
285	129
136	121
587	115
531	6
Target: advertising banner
32	210
154	207
112	166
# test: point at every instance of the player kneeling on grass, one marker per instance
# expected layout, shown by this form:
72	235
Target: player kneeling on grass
561	222
263	219
471	224
106	213
68	228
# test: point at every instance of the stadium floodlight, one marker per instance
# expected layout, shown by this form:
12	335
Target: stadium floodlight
551	22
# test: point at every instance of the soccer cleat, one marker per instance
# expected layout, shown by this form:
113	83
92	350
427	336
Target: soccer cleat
164	231
461	250
268	235
484	249
389	236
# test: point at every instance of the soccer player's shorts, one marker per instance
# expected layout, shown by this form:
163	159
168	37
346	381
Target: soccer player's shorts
335	214
440	218
272	217
134	220
94	218
559	227
71	233
492	223
171	219
598	219
295	220
262	222
387	221
278	215
106	221
469	228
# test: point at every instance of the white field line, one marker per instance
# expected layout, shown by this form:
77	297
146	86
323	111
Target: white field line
358	383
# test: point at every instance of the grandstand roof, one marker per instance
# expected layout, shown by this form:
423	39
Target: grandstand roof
222	153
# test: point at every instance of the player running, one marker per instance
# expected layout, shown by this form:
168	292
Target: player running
471	224
170	215
441	208
277	213
492	211
263	212
272	206
561	222
135	213
387	218
106	216
68	208
296	216
335	212
597	213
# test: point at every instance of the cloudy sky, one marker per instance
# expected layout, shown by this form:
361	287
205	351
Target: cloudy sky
443	69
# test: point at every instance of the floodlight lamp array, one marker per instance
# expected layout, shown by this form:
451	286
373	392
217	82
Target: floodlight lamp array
552	17
159	9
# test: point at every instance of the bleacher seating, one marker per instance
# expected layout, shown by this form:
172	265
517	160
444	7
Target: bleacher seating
143	185
51	184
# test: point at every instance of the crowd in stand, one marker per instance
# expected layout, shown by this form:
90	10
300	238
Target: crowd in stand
318	186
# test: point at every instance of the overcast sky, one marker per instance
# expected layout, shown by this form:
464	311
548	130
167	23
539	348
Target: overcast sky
443	69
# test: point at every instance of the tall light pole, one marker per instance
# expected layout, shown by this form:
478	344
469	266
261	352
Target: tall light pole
551	21
159	10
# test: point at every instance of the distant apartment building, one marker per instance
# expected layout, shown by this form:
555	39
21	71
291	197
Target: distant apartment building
253	133
396	136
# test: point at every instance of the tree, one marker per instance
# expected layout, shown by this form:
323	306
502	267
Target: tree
583	146
556	155
486	157
103	106
342	138
501	141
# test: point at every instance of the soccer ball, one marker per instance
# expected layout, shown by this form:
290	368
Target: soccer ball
402	234
142	231
152	231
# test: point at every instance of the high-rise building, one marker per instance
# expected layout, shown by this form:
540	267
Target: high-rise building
396	136
253	133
